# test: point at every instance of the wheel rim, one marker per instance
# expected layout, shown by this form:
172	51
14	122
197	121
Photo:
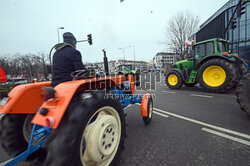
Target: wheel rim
172	79
101	137
150	109
27	127
214	76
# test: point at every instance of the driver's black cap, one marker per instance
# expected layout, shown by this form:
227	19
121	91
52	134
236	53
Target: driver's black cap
69	38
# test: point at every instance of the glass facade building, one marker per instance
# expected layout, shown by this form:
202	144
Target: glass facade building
239	38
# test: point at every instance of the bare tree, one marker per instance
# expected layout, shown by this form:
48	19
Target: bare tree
180	27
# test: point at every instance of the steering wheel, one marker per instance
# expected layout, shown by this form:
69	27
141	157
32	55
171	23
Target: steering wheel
82	74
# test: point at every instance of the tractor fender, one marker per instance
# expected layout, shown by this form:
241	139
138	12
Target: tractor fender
144	105
24	99
227	58
65	92
180	71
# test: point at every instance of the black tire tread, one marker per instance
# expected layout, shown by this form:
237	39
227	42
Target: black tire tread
60	151
230	75
243	94
180	80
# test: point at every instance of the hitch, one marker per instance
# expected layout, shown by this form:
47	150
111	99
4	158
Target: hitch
39	133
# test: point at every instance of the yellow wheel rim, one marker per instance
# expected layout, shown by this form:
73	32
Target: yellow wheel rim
172	79
214	76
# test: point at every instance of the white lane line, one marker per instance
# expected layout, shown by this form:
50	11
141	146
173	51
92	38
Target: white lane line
226	136
160	114
196	95
163	84
203	123
127	106
168	92
5	162
1	115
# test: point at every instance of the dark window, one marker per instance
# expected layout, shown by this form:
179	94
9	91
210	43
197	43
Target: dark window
199	51
209	48
221	47
248	28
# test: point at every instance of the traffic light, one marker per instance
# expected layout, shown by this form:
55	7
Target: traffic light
90	39
241	8
233	23
49	69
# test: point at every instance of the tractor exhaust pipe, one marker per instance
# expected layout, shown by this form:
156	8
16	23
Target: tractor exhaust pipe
106	66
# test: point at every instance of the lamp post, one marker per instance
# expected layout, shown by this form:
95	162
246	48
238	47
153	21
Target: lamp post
58	33
123	51
134	54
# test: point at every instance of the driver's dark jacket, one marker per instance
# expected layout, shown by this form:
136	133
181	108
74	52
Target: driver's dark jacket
66	60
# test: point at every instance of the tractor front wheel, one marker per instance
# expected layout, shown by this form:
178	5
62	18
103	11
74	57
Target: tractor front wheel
174	80
149	102
91	132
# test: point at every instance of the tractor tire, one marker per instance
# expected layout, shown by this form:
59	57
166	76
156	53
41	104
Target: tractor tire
15	135
216	75
174	80
243	94
147	119
91	132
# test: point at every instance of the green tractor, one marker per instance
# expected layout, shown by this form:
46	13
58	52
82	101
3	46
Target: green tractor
128	69
211	65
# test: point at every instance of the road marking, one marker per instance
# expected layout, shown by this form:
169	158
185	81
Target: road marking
196	95
163	84
205	124
226	136
5	162
127	106
1	115
163	115
168	92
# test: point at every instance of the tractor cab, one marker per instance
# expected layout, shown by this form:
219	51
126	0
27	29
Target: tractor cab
125	68
208	48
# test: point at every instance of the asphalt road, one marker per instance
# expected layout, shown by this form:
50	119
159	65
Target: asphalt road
189	127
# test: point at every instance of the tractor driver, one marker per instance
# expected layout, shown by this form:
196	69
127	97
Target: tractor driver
66	60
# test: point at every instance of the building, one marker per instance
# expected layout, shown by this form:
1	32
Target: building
114	64
163	59
215	27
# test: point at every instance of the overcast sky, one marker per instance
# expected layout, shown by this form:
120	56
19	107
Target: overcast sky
30	26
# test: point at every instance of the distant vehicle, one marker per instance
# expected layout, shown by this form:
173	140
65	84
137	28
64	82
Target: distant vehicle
21	82
128	69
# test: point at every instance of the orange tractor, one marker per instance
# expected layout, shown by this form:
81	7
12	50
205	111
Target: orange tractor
80	122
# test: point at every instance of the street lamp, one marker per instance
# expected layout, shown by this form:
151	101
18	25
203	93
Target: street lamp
123	50
58	33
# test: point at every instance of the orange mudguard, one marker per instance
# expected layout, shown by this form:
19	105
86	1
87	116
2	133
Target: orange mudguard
24	99
144	105
64	92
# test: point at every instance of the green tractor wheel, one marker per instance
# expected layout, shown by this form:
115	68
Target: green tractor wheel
174	80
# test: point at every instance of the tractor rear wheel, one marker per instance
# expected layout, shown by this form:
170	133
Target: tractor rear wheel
174	80
216	75
91	132
243	94
15	135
